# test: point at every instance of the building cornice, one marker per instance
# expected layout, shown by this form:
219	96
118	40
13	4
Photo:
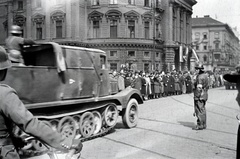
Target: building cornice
109	44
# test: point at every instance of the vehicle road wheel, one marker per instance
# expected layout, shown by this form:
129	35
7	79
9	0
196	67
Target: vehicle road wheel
98	122
111	115
66	127
130	114
87	124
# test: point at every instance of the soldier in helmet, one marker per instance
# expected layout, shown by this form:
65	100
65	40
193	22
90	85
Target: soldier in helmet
15	43
13	112
200	97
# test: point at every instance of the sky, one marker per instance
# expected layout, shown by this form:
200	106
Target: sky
225	11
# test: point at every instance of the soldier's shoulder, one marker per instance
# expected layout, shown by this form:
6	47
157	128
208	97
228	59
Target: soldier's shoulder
6	88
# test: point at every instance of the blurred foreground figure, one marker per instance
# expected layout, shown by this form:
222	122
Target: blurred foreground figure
13	112
235	78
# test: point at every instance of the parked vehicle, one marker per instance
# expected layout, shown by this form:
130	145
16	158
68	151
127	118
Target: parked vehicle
69	88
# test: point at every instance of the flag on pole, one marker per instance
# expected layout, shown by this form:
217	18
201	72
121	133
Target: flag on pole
186	54
180	53
195	54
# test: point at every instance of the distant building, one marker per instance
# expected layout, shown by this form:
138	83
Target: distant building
216	44
144	33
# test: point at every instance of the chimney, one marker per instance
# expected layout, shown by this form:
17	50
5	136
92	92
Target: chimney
206	16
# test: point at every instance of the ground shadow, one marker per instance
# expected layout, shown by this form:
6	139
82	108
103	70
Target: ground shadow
187	124
120	125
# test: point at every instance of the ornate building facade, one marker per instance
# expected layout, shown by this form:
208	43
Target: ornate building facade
218	46
146	33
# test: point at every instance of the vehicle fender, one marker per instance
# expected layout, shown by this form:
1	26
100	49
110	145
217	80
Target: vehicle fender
125	95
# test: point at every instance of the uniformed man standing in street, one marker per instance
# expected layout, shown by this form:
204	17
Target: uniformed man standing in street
12	111
200	97
235	78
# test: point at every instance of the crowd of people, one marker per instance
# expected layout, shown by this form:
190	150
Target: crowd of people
159	84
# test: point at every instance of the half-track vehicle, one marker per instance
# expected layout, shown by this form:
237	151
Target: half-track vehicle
69	88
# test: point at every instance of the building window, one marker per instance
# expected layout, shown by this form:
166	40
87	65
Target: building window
158	34
205	58
59	29
157	54
96	29
216	57
216	35
22	29
146	30
113	66
132	2
38	3
146	54
20	5
95	2
157	66
113	29
146	67
39	31
197	47
131	28
113	53
197	36
146	3
113	2
216	45
204	35
174	18
205	47
131	53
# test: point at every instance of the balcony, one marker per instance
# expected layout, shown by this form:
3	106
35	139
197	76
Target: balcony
222	63
217	50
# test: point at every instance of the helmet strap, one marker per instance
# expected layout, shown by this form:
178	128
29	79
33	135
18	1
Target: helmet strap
3	74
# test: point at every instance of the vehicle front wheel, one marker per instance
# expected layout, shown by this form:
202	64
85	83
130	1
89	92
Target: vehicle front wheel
130	114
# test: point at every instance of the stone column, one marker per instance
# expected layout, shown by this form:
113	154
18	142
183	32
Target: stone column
184	27
48	22
178	24
170	32
10	15
68	19
28	19
77	16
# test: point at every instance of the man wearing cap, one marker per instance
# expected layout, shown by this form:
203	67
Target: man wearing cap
200	97
15	43
13	112
235	78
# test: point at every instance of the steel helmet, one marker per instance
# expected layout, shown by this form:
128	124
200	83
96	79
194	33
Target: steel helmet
5	63
15	29
199	66
15	56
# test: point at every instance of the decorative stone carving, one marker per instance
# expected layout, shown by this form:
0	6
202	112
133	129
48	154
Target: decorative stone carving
158	19
113	15
131	15
147	17
58	15
38	18
95	16
19	20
